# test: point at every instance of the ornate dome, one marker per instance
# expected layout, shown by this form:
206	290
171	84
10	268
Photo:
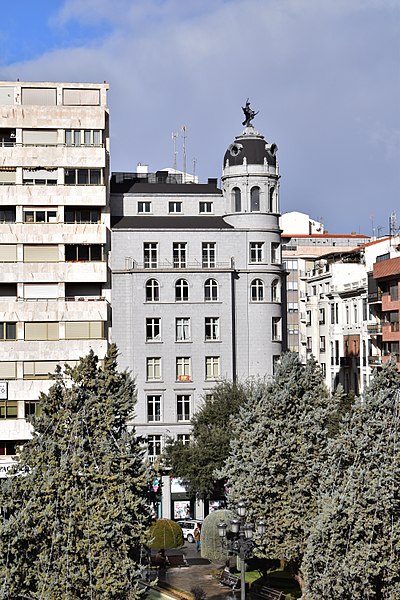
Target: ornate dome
253	147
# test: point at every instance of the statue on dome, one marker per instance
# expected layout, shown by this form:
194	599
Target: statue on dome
249	114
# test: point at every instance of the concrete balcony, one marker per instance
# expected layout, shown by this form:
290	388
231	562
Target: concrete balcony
53	195
53	350
60	117
53	156
52	233
60	309
53	272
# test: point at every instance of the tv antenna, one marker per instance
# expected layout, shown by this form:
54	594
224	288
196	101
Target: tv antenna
393	227
184	130
174	135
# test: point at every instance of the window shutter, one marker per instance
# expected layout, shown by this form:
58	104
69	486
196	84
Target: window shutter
39	96
52	331
36	331
77	330
8	370
81	97
8	252
7	176
45	137
39	174
7	95
43	290
96	330
41	253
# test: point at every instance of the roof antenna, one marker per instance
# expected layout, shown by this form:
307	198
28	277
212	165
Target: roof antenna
174	136
184	130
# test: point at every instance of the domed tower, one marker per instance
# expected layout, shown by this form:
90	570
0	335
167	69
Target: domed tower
250	179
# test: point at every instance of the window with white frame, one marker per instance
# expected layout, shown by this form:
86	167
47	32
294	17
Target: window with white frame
322	316
153	368
183	402
84	252
205	208
275	291
256	252
152	290
183	368
150	255
183	438
276	329
213	368
179	255
182	329
144	207
153	329
181	291
153	408
154	447
208	255
83	137
211	290
40	215
211	329
257	290
39	176
275	253
175	207
322	343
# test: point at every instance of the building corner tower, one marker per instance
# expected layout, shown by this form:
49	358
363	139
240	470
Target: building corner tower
250	185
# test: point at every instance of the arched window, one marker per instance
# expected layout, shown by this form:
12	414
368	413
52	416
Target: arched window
271	200
275	291
182	291
211	290
152	290
255	199
257	290
237	199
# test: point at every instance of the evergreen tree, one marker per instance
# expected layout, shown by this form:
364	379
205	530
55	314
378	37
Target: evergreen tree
353	551
278	445
196	463
74	511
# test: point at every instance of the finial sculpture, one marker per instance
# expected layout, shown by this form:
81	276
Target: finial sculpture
249	113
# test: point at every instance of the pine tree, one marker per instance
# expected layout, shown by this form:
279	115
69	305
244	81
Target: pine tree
74	511
353	551
278	445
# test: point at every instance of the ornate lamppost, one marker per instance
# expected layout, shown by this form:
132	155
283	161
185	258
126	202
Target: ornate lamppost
239	540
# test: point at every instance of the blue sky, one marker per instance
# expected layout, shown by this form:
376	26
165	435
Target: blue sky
324	75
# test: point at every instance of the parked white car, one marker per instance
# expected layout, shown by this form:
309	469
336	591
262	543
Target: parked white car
188	527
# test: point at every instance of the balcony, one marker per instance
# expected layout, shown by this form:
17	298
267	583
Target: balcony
375	361
374	328
375	297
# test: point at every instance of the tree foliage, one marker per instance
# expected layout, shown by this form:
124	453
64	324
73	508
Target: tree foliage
278	446
353	551
74	510
196	463
165	534
211	544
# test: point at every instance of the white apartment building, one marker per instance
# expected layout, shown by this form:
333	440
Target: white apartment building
54	223
197	286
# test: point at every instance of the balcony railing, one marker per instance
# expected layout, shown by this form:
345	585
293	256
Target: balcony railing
132	264
374	360
375	328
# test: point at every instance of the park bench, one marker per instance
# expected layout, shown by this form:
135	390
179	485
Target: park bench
177	560
230	580
262	592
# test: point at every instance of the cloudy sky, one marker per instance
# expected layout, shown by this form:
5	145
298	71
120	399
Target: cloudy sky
324	75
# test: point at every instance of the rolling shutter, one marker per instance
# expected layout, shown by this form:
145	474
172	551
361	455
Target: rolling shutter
41	331
8	252
79	97
39	96
41	253
37	137
8	370
7	176
42	290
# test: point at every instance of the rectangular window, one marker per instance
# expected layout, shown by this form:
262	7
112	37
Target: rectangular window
8	252
8	370
83	252
322	316
81	97
39	96
175	207
153	329
309	344
41	253
308	321
153	408
212	367
9	448
154	447
275	253
183	438
211	329
8	409
183	407
276	329
323	369
275	361
8	291
39	176
150	255
84	330
182	329
208	255
256	252
7	176
88	137
7	214
144	207
32	409
322	343
39	369
183	368
41	331
40	215
83	176
8	330
332	314
179	255
153	369
39	137
79	214
205	208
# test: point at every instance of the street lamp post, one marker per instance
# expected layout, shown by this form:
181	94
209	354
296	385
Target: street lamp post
240	542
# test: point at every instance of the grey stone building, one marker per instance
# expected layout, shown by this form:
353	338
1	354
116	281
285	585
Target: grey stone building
197	284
